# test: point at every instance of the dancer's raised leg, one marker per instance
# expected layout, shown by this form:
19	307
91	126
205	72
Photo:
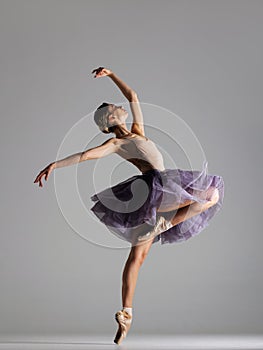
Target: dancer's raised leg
183	213
195	208
175	206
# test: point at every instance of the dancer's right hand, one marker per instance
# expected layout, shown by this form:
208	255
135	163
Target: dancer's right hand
45	172
101	72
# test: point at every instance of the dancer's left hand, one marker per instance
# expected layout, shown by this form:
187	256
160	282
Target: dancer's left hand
101	72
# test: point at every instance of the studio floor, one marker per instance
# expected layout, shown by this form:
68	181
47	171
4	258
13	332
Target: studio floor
99	342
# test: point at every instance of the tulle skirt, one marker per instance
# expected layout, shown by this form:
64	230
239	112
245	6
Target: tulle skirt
129	208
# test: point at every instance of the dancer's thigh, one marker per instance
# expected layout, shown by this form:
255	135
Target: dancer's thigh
174	206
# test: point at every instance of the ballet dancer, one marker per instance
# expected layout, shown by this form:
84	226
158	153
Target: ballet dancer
178	204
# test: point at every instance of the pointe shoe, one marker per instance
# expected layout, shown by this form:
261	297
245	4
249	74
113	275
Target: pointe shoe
124	320
161	225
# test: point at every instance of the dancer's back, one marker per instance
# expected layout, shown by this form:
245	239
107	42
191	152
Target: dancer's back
140	151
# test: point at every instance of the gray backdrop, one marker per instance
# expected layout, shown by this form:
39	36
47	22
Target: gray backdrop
202	60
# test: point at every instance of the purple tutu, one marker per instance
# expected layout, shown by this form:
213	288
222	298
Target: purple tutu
130	207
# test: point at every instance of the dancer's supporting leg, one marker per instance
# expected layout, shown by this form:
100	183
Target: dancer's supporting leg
136	257
135	260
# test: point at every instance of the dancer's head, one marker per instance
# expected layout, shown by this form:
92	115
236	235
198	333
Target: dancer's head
109	117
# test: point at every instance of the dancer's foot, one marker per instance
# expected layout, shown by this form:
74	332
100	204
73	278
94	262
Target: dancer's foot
161	225
124	320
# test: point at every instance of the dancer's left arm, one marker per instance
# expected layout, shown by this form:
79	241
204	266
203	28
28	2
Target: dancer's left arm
130	94
127	91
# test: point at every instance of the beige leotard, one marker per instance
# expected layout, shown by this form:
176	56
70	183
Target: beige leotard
140	151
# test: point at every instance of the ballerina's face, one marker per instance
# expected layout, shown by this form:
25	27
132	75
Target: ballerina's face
116	115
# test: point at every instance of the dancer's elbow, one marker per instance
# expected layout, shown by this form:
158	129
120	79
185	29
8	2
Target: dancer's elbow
133	96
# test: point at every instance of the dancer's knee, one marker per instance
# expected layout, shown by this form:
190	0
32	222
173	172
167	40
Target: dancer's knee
214	196
138	259
212	199
138	255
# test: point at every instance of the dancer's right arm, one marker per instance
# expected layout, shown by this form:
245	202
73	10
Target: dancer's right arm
106	148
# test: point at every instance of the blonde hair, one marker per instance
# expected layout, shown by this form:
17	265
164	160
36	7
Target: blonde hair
101	118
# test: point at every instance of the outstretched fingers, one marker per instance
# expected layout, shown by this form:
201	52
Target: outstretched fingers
97	71
39	178
45	172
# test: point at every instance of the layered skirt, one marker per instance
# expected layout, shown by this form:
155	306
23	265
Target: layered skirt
129	208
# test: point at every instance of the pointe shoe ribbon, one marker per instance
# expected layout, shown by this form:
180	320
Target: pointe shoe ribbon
124	320
161	225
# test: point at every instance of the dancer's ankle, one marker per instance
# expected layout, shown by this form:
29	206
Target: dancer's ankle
128	310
